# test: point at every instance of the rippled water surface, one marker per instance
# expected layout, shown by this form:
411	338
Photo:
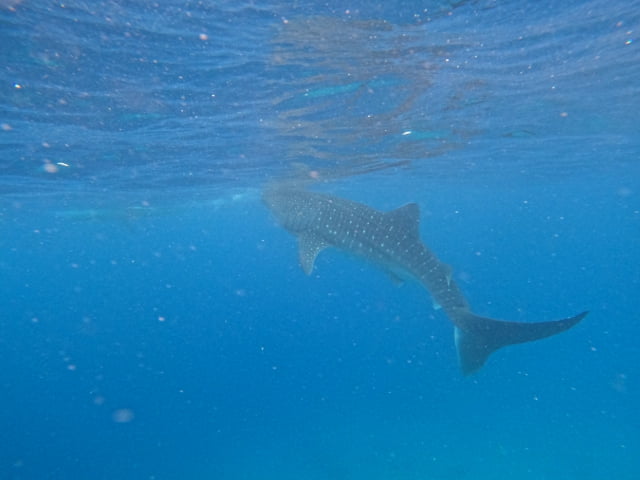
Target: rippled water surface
154	323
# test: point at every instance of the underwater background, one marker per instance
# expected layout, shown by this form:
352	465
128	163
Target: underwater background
154	321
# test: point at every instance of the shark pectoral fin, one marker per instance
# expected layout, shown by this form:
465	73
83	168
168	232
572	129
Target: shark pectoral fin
478	337
309	246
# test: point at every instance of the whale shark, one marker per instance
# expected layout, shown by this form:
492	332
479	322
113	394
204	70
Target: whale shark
392	241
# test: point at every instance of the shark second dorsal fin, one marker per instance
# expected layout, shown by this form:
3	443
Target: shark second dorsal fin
406	218
309	247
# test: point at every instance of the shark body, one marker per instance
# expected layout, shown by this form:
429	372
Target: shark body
392	241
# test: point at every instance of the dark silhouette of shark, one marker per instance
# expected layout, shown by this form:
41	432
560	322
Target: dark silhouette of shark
392	241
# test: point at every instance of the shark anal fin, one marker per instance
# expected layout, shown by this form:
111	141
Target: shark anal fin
309	248
397	280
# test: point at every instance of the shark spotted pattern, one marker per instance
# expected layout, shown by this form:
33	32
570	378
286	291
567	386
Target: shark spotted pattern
392	241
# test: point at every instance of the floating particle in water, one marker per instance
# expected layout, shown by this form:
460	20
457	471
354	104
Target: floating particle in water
50	167
123	415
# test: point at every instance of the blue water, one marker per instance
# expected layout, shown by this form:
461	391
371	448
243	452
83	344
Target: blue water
154	321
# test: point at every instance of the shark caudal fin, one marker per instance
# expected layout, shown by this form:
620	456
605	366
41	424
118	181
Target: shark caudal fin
478	337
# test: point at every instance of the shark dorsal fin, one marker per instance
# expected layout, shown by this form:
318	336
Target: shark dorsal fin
406	218
309	247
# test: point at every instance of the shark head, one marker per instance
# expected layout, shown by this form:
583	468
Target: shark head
275	199
295	210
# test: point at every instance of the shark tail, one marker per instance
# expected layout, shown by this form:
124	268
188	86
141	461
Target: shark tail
478	337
